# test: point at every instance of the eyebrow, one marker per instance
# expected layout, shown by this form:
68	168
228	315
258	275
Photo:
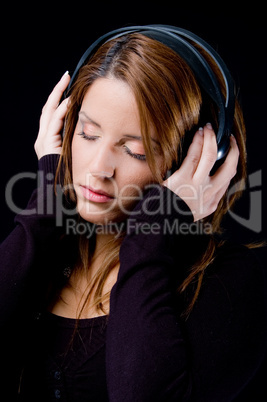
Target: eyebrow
135	137
89	119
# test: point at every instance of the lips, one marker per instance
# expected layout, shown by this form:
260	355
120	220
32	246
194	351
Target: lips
96	195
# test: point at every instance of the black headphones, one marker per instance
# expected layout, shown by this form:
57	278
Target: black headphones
181	41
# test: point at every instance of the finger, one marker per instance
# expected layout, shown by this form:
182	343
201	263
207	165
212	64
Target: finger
57	121
208	156
192	158
47	121
62	109
228	169
55	96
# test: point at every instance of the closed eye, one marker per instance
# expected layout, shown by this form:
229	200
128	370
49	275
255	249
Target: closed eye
88	137
127	150
134	155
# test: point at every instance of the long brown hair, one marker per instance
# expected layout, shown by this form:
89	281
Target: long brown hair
171	103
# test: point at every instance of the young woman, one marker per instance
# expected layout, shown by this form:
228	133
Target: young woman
132	297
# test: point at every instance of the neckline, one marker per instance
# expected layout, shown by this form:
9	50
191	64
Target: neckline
71	322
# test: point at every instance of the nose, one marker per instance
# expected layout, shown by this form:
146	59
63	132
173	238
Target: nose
103	163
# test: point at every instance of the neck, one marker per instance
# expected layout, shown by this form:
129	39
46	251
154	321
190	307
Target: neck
101	241
106	240
107	234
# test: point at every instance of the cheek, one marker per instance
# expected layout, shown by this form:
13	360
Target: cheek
135	173
132	187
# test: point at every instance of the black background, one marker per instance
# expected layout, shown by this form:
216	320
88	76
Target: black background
40	44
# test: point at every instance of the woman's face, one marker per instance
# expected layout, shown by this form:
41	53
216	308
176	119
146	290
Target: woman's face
109	166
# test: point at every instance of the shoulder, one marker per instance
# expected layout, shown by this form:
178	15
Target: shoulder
232	299
239	266
228	325
236	280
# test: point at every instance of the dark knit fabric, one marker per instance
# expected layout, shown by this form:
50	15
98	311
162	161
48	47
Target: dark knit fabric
144	351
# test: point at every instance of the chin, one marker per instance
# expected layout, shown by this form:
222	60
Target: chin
100	215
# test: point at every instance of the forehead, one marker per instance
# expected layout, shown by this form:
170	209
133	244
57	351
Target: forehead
111	97
110	103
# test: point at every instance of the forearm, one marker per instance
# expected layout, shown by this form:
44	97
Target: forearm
35	229
146	355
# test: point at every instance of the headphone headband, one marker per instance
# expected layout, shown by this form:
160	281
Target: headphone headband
180	40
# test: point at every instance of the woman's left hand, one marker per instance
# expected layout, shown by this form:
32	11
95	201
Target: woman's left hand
192	181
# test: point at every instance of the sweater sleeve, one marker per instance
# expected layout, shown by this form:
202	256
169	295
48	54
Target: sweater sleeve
152	354
146	353
35	230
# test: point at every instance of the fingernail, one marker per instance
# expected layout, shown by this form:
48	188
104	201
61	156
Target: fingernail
209	126
200	131
233	137
64	75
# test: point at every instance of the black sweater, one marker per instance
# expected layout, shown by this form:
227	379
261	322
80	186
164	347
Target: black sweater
151	353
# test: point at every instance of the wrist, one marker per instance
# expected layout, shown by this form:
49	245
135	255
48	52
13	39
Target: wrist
48	163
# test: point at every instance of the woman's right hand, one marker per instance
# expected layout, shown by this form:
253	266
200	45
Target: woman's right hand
49	140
